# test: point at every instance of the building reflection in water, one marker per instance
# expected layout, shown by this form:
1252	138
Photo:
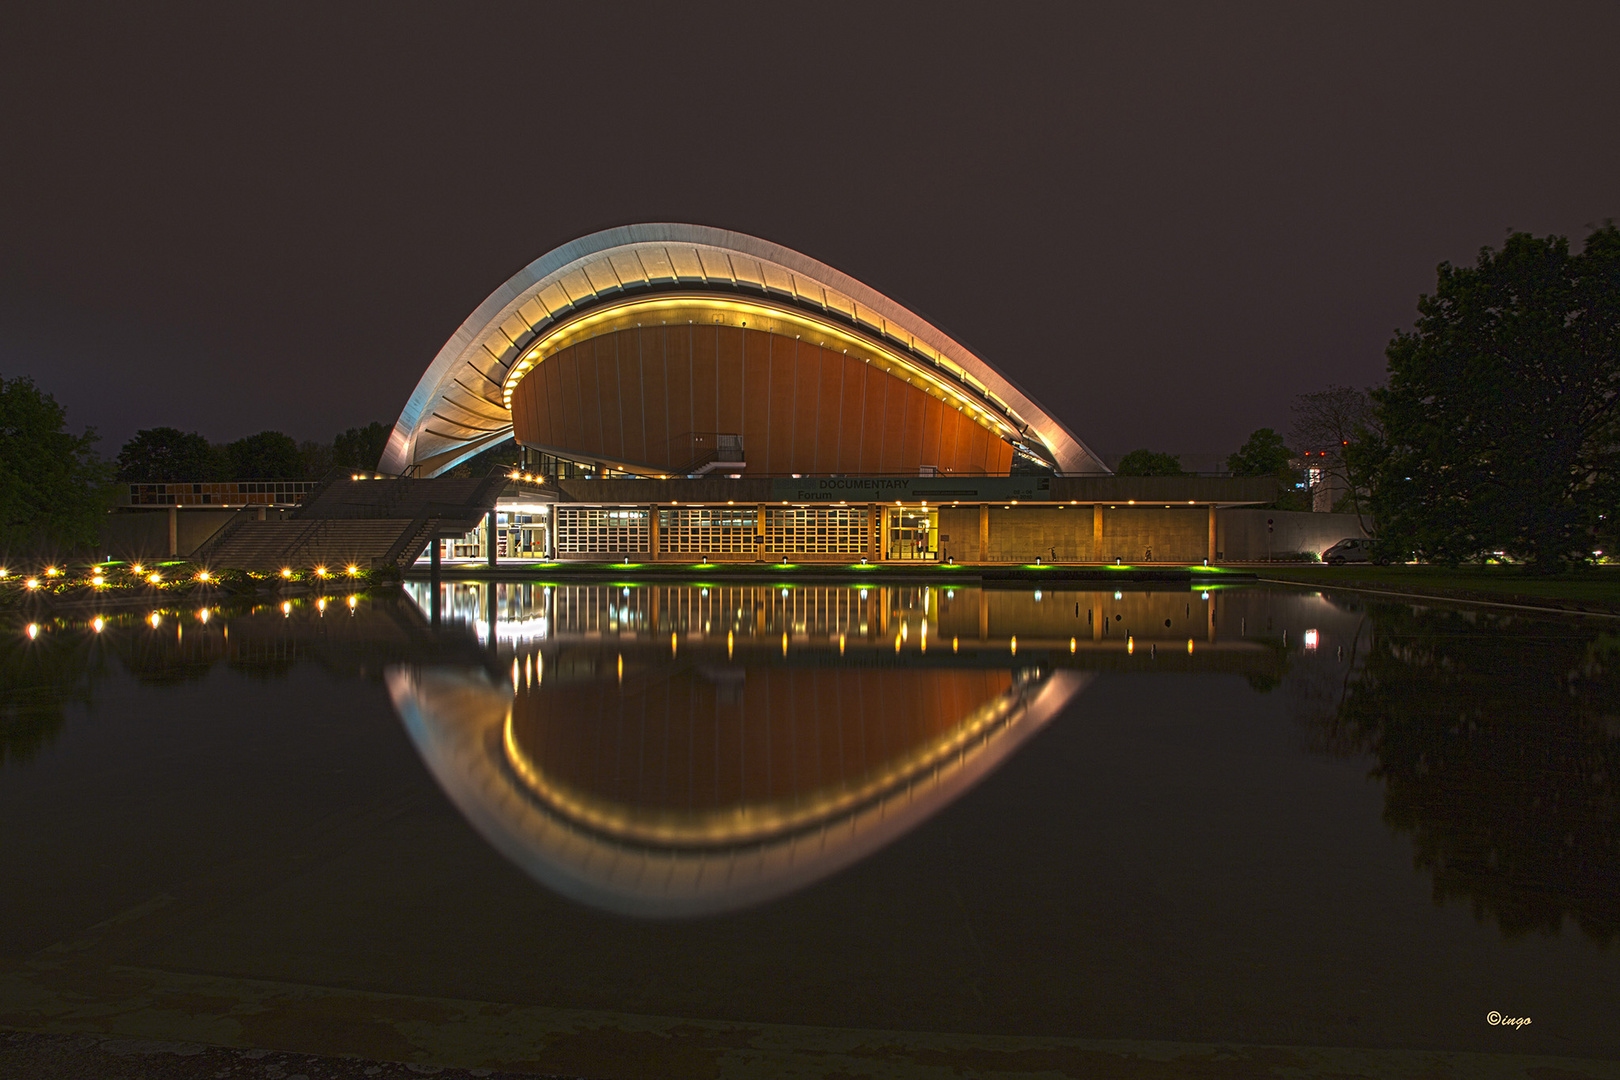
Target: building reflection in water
680	751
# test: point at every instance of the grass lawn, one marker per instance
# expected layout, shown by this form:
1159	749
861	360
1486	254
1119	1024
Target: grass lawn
1595	586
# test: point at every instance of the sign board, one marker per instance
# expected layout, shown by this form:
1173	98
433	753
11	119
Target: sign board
911	489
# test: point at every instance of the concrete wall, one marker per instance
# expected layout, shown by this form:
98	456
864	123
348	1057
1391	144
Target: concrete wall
1140	534
144	534
1256	535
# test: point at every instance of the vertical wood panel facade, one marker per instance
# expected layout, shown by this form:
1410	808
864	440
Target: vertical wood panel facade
638	396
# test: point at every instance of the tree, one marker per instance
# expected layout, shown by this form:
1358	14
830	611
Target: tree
52	486
361	448
269	455
1265	454
318	458
165	454
1502	416
1337	425
1148	463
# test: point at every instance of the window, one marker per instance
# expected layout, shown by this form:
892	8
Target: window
708	530
816	531
601	531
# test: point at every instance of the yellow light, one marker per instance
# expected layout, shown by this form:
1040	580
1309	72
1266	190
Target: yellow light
353	570
953	644
1072	645
320	571
729	643
672	643
202	615
1189	646
97	623
4	572
98	580
1014	644
155	578
840	644
155	619
286	572
33	630
352	602
286	607
784	643
51	571
621	667
137	569
32	583
1130	645
202	575
320	605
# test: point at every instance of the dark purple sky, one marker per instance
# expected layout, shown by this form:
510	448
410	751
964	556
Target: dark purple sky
1163	221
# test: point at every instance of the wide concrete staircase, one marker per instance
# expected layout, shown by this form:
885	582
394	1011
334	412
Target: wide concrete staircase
346	522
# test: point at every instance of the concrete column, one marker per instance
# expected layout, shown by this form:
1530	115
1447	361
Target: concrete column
174	530
260	516
1096	534
490	549
652	533
984	533
874	539
434	546
1211	555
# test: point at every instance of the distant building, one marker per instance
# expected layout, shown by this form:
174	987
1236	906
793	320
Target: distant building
1322	477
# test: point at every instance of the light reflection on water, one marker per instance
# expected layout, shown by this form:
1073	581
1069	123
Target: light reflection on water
675	750
573	740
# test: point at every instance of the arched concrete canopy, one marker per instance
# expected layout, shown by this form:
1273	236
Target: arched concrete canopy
458	409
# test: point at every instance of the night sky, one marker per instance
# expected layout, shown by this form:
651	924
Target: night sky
1164	222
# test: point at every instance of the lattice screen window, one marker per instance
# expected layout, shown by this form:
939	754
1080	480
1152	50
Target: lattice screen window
601	531
816	531
707	530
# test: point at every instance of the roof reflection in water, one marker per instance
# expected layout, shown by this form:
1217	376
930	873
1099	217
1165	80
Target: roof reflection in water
705	757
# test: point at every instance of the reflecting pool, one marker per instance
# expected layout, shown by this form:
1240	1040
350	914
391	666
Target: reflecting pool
1242	815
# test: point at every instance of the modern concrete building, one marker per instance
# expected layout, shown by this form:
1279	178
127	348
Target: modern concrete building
690	394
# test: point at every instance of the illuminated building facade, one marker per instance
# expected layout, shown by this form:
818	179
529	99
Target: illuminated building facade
758	403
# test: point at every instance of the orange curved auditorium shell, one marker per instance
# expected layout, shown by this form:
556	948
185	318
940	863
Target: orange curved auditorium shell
645	397
637	347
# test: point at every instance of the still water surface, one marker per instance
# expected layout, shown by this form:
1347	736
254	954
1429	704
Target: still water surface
1250	815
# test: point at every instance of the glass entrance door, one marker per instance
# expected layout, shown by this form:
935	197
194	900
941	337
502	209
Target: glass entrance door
913	533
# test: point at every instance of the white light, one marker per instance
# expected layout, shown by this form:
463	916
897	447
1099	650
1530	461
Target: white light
1310	639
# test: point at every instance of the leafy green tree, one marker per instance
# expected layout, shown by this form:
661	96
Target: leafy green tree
1264	454
269	455
361	448
165	454
53	489
1502	415
1149	463
318	458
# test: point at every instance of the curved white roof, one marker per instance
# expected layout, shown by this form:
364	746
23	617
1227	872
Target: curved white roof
457	408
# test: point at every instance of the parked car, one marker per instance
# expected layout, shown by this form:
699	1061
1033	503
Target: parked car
1348	550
